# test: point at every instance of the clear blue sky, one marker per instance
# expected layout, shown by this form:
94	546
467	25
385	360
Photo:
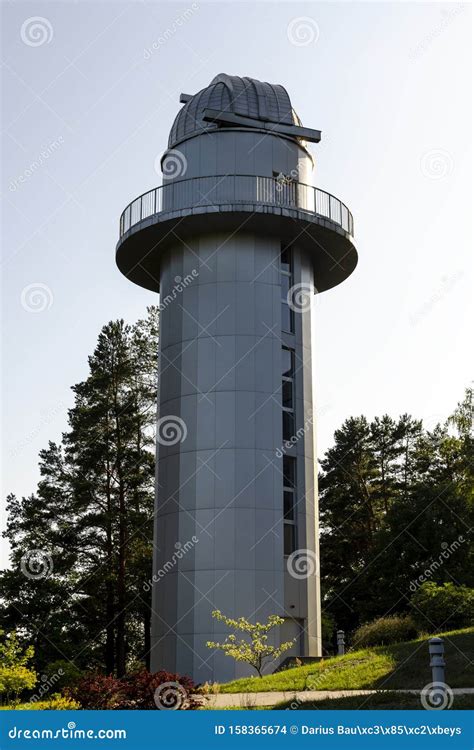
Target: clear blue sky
87	111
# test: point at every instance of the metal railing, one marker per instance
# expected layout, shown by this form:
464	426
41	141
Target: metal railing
218	190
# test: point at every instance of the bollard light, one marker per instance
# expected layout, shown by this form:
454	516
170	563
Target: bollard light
341	642
437	662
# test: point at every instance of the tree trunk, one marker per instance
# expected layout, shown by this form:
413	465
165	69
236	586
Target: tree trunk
147	636
109	584
121	587
110	634
122	541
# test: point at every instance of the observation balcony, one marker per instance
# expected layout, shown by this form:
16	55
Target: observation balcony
298	213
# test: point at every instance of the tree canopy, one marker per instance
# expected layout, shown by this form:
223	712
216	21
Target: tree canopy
396	508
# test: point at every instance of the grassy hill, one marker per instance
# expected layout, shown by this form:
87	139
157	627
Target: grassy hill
379	701
399	666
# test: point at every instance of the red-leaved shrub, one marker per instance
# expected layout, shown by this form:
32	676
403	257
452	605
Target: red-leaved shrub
97	691
140	690
163	690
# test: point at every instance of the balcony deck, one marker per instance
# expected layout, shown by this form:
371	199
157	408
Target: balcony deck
177	209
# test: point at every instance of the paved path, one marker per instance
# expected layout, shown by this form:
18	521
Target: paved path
248	700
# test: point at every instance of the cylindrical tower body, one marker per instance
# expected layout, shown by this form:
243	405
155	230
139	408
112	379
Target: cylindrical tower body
233	237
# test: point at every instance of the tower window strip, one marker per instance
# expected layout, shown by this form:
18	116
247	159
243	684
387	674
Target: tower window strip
286	282
289	505
289	462
288	393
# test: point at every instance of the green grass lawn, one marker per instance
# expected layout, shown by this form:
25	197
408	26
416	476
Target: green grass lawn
400	666
383	701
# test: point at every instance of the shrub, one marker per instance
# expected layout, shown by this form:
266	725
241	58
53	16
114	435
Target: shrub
146	690
61	674
209	688
15	679
255	649
56	702
385	630
15	675
140	690
97	691
443	607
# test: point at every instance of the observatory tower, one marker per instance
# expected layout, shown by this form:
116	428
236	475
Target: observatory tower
236	241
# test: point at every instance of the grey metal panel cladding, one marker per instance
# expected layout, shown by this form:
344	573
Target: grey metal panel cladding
225	478
222	152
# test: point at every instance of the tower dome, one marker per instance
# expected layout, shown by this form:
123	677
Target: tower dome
242	97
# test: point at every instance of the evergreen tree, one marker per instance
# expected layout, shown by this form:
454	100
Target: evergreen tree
91	517
393	498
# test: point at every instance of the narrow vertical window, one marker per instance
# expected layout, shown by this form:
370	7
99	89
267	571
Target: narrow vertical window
286	282
288	392
289	505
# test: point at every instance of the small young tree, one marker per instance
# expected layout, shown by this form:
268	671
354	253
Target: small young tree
257	651
15	676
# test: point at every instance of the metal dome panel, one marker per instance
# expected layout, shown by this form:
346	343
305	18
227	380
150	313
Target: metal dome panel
246	97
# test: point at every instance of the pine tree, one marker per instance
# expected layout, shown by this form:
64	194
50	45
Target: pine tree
393	497
92	514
